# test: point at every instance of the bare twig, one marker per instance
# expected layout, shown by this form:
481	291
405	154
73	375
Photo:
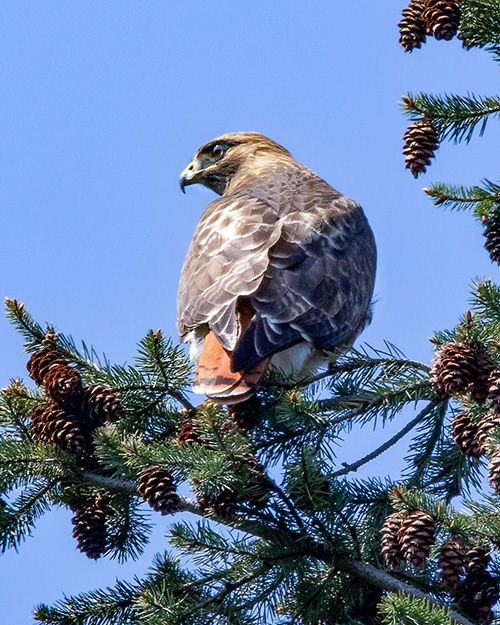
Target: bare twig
349	468
384	581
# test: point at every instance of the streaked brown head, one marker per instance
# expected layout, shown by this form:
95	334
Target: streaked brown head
216	162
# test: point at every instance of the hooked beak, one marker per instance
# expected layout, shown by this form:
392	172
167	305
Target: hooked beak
189	176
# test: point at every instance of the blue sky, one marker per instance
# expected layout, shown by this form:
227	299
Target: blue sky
104	103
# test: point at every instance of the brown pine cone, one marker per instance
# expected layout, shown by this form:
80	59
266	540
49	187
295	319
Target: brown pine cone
41	362
38	421
476	595
189	433
412	27
157	488
64	430
451	562
492	234
417	537
441	18
494	390
224	505
90	528
477	560
421	141
63	385
465	434
99	405
389	542
489	422
494	471
245	414
453	370
484	368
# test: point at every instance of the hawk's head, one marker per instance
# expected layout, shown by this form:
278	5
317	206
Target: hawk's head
216	162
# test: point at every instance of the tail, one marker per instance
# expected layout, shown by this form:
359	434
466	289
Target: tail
215	379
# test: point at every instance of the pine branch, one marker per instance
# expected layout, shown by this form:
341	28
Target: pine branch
16	401
360	570
356	568
483	200
229	587
206	540
283	496
160	359
388	401
485	299
127	528
109	606
480	25
399	609
21	318
356	361
454	117
315	519
18	521
424	444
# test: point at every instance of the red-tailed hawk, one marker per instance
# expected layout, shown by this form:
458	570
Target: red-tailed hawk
280	268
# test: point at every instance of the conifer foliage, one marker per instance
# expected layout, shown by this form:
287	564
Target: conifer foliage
266	519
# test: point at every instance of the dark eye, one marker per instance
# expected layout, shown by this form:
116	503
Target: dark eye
218	150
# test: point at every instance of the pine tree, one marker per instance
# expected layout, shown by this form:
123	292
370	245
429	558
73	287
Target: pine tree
285	531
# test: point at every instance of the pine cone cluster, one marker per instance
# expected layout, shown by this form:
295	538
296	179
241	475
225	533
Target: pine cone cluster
60	427
407	536
472	438
245	414
224	505
459	368
492	234
90	527
437	18
157	488
75	411
421	141
479	590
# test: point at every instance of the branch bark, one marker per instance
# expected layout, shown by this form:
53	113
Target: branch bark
356	568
